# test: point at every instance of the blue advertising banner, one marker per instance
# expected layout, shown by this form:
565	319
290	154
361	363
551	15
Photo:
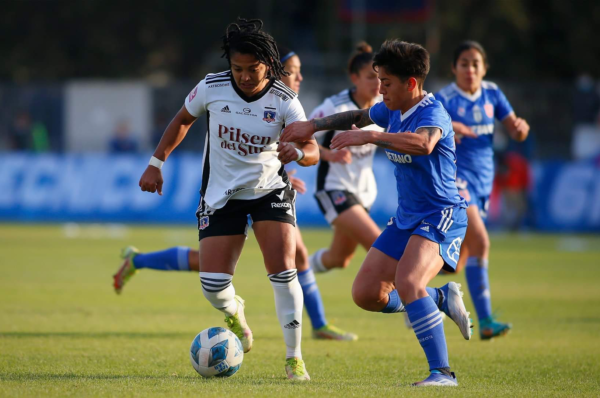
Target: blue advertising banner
104	188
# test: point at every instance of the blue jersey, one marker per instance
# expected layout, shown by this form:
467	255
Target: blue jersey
426	184
476	156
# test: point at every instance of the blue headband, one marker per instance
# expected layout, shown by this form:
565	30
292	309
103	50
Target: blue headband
287	56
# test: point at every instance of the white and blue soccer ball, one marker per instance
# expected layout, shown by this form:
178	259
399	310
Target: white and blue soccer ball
216	352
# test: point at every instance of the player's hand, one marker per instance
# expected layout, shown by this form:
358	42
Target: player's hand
461	130
343	156
521	128
354	137
297	183
287	152
298	132
152	180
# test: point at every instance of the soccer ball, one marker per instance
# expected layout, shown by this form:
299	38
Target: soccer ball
216	352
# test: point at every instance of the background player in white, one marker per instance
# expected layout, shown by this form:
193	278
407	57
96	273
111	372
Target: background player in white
346	187
474	105
186	259
243	175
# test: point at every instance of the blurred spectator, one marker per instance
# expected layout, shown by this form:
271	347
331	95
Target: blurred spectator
513	180
21	132
122	140
586	104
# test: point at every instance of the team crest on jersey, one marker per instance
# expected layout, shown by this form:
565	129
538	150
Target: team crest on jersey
203	223
193	94
269	116
338	197
461	111
489	110
477	116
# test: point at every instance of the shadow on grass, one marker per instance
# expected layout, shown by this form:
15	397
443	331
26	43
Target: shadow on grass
96	335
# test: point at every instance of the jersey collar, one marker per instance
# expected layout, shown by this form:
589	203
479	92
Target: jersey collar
256	96
471	97
428	97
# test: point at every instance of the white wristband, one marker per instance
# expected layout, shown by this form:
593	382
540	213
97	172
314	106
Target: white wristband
156	162
300	154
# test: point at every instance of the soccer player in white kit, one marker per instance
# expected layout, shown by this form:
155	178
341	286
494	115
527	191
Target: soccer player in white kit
243	175
346	187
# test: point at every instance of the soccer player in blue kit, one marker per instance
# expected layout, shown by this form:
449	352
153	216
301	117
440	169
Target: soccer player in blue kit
431	220
473	105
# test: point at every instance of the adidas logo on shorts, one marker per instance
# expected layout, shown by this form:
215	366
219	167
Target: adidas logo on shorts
226	109
293	325
425	228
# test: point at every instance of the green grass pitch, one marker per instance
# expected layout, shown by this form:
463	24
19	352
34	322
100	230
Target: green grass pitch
64	332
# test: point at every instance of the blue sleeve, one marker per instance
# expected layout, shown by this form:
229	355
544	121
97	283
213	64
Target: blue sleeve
435	116
503	108
380	114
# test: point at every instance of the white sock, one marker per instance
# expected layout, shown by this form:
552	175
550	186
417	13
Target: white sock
218	289
288	304
315	262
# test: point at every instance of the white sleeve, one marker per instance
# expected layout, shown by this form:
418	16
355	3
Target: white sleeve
195	102
325	109
294	112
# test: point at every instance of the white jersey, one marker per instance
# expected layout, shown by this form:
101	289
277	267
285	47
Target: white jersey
240	152
356	177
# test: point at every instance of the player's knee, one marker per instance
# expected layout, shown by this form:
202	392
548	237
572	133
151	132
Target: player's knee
301	258
341	261
366	297
479	246
410	288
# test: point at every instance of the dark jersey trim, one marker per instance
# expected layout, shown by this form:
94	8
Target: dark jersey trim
285	89
323	165
206	160
254	97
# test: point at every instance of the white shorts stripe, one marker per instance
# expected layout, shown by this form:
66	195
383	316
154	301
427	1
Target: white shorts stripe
330	212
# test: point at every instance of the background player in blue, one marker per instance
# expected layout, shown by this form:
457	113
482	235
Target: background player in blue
426	234
473	104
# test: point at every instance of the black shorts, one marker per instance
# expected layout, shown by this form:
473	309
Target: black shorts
232	219
334	203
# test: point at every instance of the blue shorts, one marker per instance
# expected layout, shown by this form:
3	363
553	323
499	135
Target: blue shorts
482	201
447	228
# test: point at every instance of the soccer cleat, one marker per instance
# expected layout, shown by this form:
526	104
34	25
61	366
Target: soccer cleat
127	269
454	307
238	325
436	379
490	328
296	370
330	332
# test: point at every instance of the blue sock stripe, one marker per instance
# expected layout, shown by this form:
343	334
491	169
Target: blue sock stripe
394	303
438	321
429	322
472	262
312	298
183	261
415	323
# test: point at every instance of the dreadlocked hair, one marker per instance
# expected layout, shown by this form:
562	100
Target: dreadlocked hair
245	36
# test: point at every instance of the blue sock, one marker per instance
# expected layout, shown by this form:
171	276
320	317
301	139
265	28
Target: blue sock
173	259
427	324
394	303
479	286
435	296
312	298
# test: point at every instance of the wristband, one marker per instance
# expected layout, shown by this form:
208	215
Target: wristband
300	153
156	162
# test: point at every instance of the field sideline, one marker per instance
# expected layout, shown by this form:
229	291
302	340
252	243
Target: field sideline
63	330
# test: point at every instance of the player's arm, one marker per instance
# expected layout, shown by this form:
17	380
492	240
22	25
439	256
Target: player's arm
343	156
175	132
304	153
518	129
302	131
422	142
